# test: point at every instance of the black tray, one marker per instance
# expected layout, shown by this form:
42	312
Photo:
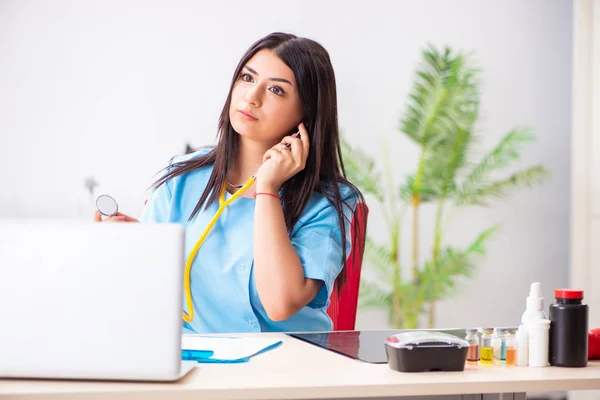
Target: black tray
430	357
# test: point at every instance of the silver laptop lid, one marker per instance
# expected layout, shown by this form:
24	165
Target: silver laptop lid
90	300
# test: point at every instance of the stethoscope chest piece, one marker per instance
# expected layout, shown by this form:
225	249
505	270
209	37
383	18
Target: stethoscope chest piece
106	205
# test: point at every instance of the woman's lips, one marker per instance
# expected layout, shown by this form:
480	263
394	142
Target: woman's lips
246	115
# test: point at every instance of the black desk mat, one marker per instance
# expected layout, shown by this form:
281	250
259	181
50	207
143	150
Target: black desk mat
367	346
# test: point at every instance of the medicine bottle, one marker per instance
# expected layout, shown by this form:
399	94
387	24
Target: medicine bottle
539	333
486	355
522	346
511	347
473	339
568	329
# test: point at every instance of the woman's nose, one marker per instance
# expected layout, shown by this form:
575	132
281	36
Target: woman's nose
253	95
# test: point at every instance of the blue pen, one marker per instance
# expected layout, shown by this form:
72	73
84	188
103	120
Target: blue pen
195	355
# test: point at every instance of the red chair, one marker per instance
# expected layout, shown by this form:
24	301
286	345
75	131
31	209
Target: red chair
342	308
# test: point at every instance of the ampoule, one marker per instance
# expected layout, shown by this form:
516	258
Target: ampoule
487	353
511	347
473	352
499	345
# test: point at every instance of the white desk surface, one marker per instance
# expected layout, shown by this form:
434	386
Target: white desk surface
298	370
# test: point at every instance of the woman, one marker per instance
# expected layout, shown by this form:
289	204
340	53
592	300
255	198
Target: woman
271	259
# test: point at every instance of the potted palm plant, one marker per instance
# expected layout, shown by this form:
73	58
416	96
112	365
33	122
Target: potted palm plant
440	119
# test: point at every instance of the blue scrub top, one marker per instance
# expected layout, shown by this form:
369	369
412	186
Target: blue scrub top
223	285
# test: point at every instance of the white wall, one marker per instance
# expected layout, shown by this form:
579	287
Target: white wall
114	89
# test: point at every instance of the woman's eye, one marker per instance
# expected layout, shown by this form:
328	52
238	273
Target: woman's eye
277	90
247	77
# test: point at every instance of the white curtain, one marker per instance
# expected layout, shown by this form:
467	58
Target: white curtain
585	166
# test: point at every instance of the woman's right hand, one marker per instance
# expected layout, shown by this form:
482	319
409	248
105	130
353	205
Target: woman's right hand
118	217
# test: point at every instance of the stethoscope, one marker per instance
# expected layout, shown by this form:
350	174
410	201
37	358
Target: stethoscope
107	206
188	265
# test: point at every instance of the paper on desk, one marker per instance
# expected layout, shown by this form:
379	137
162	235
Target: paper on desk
228	349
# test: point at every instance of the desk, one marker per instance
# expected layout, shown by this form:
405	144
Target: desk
299	370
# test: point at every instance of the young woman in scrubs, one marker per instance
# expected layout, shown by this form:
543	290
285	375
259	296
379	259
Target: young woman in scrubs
271	260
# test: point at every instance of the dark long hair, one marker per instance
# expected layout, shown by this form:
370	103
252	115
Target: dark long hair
324	171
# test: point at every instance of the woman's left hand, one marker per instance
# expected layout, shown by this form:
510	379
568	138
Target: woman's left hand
280	163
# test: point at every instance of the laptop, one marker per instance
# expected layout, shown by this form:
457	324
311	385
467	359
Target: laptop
98	301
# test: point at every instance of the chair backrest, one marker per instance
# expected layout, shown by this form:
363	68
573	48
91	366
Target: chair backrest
342	308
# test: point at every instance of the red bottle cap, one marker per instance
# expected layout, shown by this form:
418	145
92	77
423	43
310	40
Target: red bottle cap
568	294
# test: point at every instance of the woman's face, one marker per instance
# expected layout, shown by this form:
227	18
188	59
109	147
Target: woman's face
265	105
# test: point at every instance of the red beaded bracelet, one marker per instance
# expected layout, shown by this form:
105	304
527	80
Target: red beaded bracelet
267	194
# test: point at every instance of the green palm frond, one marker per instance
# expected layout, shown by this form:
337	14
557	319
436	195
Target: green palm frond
454	154
428	189
424	98
499	189
372	295
412	295
380	259
444	163
454	263
439	86
361	170
441	113
507	150
477	247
